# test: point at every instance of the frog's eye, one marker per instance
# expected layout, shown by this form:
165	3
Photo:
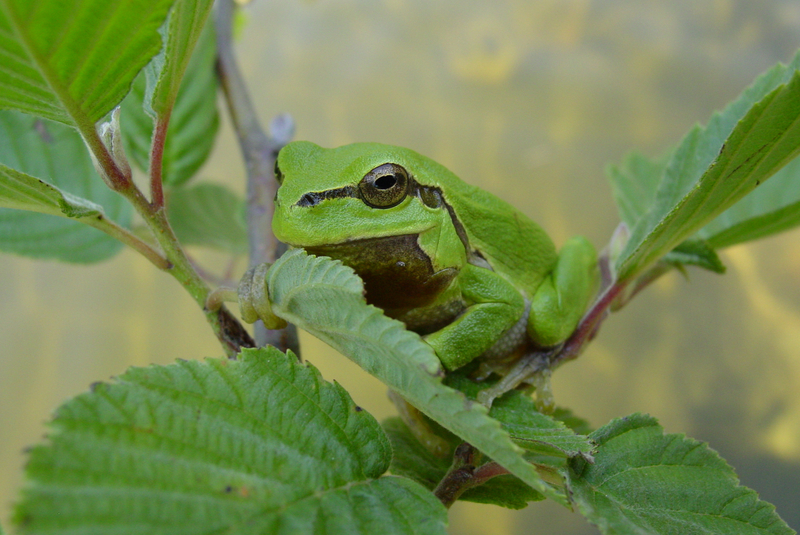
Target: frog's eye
385	186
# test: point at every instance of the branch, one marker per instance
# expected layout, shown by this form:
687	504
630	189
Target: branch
463	474
259	152
615	295
226	327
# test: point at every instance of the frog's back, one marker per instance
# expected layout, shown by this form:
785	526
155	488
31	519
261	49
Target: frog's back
510	241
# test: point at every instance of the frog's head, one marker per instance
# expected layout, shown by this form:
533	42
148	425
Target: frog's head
355	192
377	208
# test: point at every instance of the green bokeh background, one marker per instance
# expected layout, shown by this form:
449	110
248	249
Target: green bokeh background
528	99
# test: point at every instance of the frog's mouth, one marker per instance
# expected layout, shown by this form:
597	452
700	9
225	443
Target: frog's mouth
397	273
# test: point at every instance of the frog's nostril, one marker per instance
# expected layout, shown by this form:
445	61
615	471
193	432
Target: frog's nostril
309	199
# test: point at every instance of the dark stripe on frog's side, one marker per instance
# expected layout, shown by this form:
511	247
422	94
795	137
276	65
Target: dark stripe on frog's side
397	273
429	195
315	197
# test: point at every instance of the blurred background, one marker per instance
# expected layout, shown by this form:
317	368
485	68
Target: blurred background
529	100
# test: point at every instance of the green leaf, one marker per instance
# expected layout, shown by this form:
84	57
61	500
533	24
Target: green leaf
257	445
186	22
703	145
73	63
194	120
645	482
771	208
325	298
634	183
45	168
209	215
411	459
716	166
548	442
532	430
696	252
576	423
24	192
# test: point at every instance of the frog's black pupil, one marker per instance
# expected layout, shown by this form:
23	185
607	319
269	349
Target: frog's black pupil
385	182
384	186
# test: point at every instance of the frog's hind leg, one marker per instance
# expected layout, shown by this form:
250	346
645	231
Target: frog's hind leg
420	426
532	369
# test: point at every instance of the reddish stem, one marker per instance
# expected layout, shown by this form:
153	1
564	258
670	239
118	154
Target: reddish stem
157	162
109	171
588	326
463	475
488	471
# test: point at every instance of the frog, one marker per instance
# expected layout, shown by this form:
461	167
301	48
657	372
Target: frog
475	277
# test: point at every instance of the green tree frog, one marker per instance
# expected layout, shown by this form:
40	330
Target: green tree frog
472	275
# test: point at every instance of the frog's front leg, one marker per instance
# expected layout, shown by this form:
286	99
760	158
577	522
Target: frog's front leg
493	307
556	308
561	300
419	426
254	302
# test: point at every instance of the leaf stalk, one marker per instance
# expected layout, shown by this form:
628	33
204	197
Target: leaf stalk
157	161
229	331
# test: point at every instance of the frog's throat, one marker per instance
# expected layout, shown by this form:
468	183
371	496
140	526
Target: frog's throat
397	273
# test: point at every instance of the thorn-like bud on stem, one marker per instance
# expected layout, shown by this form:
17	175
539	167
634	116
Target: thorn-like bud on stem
281	129
607	259
617	243
111	134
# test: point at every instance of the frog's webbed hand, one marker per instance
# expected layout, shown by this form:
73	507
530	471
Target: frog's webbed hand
254	303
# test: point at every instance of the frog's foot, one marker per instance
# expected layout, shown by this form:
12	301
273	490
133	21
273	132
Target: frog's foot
494	365
254	303
487	368
533	369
